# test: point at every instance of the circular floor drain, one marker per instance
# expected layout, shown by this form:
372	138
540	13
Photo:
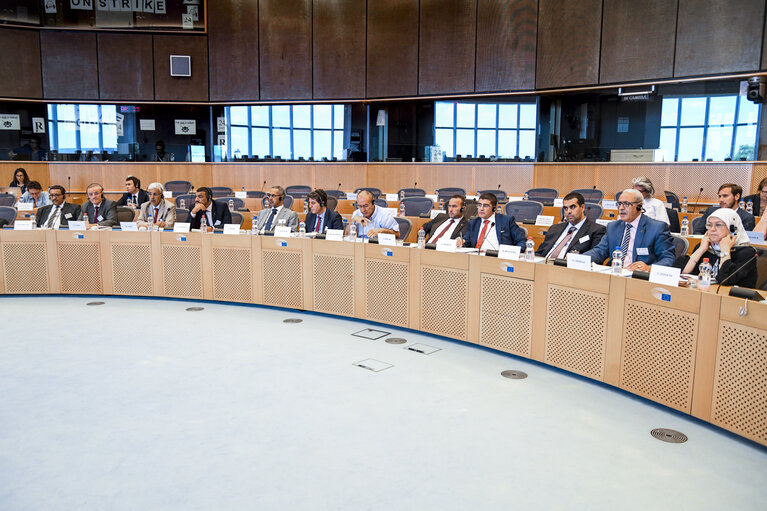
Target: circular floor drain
514	375
95	303
292	320
195	309
396	340
669	435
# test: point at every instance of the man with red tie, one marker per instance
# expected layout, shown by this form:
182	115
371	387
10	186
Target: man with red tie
319	216
448	225
489	229
100	210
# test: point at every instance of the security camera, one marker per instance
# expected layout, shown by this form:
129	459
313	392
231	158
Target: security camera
756	89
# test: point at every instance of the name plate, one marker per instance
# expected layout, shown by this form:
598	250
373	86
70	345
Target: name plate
755	238
282	232
24	206
602	221
241	195
509	252
545	221
129	226
351	196
446	245
609	204
391	211
388	240
335	235
181	227
232	229
558	203
392	197
433	196
22	225
664	275
167	194
579	262
76	225
434	212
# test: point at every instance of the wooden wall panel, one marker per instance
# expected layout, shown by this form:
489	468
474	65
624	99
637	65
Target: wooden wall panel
70	65
176	88
339	49
447	46
350	175
718	37
233	50
637	40
568	43
392	48
22	76
514	179
125	66
506	39
286	49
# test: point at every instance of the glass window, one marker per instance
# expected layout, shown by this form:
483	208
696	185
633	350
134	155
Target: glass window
690	143
338	117
259	115
507	143
748	112
464	142
302	116
527	144
281	116
322	147
302	144
668	143
486	143
281	143
722	110
527	116
486	116
669	112
65	112
443	114
693	112
444	139
719	142
338	144
322	115
507	116
261	141
465	115
745	142
238	115
239	141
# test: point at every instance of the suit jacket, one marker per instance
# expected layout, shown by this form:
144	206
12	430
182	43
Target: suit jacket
507	230
593	230
220	213
756	200
107	211
438	220
142	198
330	219
651	234
290	217
749	222
167	213
72	209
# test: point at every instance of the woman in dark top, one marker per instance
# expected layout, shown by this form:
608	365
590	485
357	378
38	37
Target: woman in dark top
759	199
20	180
725	244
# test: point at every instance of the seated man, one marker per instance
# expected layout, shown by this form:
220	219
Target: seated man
642	240
134	193
577	235
35	195
100	210
271	216
320	217
59	212
157	210
729	197
489	229
216	215
448	225
372	220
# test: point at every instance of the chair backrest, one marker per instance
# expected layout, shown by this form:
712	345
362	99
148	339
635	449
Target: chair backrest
8	214
415	206
182	215
298	191
405	226
591	194
125	214
524	230
681	245
288	201
332	203
673	219
237	218
375	191
188	200
178	187
698	224
593	211
238	203
7	199
338	194
761	270
524	210
221	191
445	193
381	203
545	196
672	199
411	192
499	194
254	194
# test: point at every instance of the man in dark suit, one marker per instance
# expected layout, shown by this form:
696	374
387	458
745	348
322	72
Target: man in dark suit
729	197
216	214
448	225
319	216
490	229
99	209
578	234
59	212
642	240
134	193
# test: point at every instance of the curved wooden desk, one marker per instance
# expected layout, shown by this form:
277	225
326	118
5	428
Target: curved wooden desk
685	349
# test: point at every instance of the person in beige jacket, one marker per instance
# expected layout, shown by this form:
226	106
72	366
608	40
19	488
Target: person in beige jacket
157	210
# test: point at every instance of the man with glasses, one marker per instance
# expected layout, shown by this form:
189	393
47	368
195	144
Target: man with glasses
729	197
157	211
642	240
372	220
216	215
273	215
577	235
35	195
59	212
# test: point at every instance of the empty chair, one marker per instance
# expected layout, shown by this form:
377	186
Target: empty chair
381	203
698	225
499	194
298	191
8	214
332	203
237	218
444	194
672	199
681	245
125	214
178	187
287	201
411	192
338	194
524	210
238	203
7	199
545	196
188	200
673	219
415	206
221	191
182	215
591	195
254	194
405	226
593	211
375	191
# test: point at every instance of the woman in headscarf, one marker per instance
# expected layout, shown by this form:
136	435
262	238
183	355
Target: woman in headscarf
653	207
725	244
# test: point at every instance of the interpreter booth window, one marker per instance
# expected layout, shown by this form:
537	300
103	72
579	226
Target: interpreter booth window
714	128
88	131
286	132
485	130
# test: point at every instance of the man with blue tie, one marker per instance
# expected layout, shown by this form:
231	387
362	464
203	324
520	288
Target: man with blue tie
642	240
489	229
319	216
271	216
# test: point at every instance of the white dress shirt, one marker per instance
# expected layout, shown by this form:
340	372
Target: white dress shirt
655	209
563	235
449	231
491	236
630	252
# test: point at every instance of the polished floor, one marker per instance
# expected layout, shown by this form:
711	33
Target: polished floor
140	404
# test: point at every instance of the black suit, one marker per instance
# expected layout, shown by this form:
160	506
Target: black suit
749	222
219	212
593	230
756	200
330	220
142	198
72	209
432	225
107	211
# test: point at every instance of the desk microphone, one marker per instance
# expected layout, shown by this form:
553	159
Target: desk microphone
700	192
736	271
262	186
69	184
339	187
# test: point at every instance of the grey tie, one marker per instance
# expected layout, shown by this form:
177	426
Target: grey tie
625	244
54	214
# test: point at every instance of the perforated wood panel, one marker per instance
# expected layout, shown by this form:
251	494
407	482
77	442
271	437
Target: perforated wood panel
232	279
506	314
334	284
386	283
444	298
658	356
576	329
283	278
182	280
80	268
130	269
740	381
26	268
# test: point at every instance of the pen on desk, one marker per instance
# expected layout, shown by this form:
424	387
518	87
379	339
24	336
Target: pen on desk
415	349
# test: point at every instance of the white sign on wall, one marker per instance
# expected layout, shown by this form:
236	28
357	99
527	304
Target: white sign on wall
146	124
38	125
186	127
9	122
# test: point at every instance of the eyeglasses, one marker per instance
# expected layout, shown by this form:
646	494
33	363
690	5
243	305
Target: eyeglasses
273	195
55	195
715	226
625	204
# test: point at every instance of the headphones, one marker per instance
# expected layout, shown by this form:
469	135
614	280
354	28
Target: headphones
733	229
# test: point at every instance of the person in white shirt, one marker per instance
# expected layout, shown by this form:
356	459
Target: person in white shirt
652	207
35	195
372	220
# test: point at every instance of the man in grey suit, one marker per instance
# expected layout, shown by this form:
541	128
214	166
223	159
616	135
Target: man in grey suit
157	211
59	212
269	218
100	210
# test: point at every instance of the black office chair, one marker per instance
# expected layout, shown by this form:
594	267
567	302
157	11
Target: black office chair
237	218
524	210
298	191
288	201
375	191
673	219
178	187
681	245
188	200
338	194
381	203
221	191
415	206
182	215
593	211
238	203
405	226
125	214
8	214
591	195
332	203
673	199
499	194
698	224
444	194
411	192
545	196
7	199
